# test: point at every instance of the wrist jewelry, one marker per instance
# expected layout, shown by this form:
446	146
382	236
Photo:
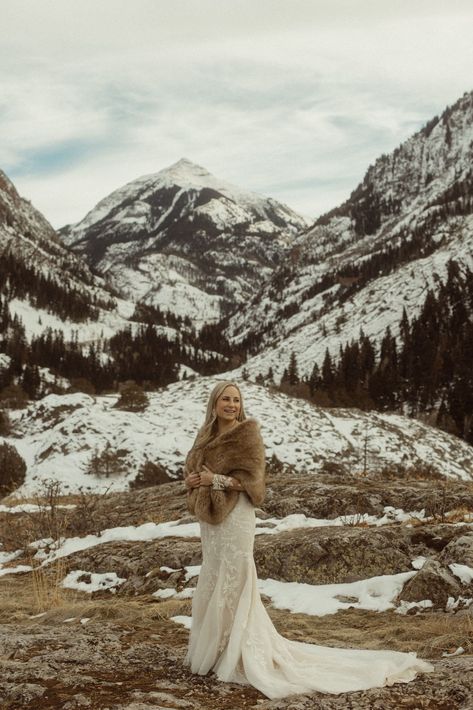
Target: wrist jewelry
220	482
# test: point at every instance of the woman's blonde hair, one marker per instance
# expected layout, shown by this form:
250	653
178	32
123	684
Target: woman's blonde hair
208	430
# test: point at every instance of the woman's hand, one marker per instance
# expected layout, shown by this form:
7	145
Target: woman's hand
206	476
193	480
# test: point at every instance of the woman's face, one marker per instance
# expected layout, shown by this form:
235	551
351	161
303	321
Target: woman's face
227	406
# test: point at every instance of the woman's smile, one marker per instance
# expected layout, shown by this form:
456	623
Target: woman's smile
227	407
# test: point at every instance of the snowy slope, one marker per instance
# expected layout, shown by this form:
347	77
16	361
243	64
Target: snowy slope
58	435
27	235
184	240
413	210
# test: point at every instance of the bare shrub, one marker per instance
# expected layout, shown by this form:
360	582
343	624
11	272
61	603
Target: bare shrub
334	468
274	466
84	518
49	519
416	472
48	523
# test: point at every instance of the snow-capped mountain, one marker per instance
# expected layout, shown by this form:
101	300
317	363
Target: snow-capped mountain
33	259
58	435
360	264
59	321
183	240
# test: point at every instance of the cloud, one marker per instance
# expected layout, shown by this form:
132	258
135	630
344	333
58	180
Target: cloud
293	100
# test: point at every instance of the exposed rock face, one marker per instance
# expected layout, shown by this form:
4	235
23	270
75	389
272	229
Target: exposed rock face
330	496
29	237
421	694
459	550
432	582
107	665
332	555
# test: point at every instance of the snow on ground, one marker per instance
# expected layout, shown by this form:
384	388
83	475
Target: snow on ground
404	607
15	570
36	320
7	556
49	550
30	508
4	361
97	582
374	594
453	603
463	572
184	620
299	520
313	328
59	434
131	533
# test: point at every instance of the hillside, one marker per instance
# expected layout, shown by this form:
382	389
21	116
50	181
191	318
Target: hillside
58	436
381	251
61	322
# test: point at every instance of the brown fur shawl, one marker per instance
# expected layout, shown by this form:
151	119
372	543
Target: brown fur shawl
238	452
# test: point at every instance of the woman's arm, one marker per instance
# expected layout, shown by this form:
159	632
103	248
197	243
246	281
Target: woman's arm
207	478
235	484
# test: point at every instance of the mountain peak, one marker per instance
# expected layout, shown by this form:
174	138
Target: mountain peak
184	163
185	169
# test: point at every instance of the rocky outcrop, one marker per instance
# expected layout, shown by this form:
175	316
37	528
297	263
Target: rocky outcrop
330	555
459	550
433	582
121	650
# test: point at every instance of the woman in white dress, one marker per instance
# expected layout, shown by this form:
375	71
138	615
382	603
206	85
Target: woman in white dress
232	633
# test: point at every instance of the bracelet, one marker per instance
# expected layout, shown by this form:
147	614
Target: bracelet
220	482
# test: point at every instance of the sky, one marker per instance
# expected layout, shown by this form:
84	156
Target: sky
292	99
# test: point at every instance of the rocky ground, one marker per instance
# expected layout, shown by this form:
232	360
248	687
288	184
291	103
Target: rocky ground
122	651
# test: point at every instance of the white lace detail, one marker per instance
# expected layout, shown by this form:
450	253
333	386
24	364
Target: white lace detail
220	482
233	635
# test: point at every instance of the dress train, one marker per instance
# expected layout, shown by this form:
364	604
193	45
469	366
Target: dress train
233	635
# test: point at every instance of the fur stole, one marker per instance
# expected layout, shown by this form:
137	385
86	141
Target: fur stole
238	452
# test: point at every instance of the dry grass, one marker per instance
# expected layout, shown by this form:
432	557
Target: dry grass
448	633
18	602
50	522
47	589
457	515
65	499
429	634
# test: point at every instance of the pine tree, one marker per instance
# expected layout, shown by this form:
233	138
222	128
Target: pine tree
292	372
327	371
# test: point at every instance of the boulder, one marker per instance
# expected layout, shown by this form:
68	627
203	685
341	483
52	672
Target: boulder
328	555
434	582
459	551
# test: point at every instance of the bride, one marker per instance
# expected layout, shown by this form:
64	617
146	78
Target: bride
232	633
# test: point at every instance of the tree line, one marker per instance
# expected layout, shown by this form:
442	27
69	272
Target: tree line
425	370
24	281
138	352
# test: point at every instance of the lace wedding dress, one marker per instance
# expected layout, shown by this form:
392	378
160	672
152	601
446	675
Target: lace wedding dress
233	635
